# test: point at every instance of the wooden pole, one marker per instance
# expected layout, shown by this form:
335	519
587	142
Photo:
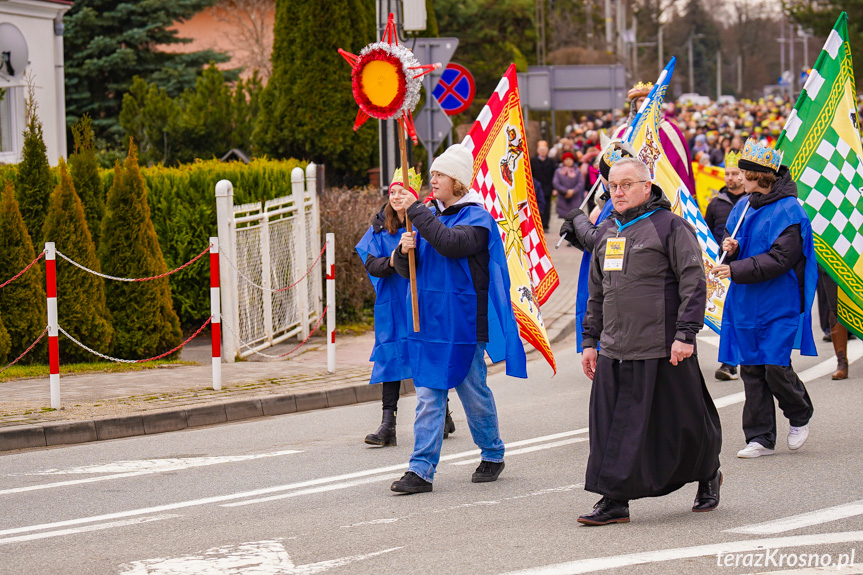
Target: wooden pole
411	258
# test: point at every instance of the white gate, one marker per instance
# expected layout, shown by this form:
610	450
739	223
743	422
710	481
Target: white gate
269	290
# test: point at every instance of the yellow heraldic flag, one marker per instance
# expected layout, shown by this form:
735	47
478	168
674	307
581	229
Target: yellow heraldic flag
644	137
501	167
708	181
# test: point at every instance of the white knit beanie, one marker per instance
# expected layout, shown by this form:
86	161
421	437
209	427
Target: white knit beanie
457	163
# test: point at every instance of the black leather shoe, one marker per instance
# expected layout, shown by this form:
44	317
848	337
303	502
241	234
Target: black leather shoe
607	511
707	497
487	471
386	433
449	424
411	483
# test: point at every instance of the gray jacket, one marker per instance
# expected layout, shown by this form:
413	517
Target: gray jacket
660	294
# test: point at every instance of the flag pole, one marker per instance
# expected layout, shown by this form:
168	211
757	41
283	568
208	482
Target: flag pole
734	233
412	264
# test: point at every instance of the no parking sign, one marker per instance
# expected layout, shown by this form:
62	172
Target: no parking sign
455	90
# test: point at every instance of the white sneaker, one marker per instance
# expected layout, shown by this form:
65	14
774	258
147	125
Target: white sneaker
753	450
797	436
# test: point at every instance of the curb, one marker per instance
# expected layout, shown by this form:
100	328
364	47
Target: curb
85	431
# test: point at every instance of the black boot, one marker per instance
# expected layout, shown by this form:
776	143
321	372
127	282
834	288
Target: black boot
386	433
411	483
449	424
707	497
607	511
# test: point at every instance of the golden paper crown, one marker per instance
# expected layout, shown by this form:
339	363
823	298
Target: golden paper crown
415	181
763	155
639	90
731	159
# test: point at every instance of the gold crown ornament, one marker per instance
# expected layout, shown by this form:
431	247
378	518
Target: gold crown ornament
758	157
415	180
731	159
640	90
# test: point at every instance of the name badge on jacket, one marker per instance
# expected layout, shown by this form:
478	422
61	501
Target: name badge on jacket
614	251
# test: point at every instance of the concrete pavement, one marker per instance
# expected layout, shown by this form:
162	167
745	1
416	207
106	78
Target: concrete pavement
113	405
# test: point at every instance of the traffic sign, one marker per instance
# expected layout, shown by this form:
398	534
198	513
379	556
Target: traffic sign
455	89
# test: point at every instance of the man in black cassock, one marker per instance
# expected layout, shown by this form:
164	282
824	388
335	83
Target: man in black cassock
653	425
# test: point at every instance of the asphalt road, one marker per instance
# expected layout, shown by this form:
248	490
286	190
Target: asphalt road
301	493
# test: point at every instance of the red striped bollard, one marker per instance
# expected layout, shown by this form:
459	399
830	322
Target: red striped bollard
53	325
331	303
215	314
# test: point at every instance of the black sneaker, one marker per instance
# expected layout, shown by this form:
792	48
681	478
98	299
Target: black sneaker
449	424
726	372
411	483
487	471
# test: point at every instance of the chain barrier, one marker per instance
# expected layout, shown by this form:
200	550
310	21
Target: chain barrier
287	353
22	272
105	276
28	350
262	288
118	360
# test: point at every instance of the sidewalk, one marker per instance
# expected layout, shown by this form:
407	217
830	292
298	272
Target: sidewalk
112	405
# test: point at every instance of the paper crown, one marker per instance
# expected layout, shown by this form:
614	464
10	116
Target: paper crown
731	159
639	90
614	152
415	180
758	157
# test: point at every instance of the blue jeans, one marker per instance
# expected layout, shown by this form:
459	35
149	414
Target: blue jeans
479	408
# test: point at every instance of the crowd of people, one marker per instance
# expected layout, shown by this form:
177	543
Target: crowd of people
653	426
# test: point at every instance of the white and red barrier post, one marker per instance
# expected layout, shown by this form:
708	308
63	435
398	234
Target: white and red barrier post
215	314
331	303
53	326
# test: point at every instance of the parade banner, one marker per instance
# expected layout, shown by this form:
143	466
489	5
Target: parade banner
643	134
708	181
501	168
821	146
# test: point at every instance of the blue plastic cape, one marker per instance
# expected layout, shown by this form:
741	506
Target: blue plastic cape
582	294
390	353
762	322
442	351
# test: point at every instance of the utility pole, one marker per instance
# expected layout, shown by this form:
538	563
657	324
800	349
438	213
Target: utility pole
660	50
609	31
691	69
791	60
540	32
718	73
739	75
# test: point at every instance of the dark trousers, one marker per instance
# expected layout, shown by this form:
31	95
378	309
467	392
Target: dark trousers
762	383
391	395
546	212
828	298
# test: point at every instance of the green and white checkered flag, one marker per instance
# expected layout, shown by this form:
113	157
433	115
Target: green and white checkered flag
821	146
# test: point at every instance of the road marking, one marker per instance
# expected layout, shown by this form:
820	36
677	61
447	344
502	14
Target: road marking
87	529
709	340
528	449
715	549
485	503
261	557
143	467
313	490
262	491
803	520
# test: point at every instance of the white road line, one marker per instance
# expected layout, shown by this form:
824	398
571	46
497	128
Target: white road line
87	529
727	400
313	490
149	468
617	561
803	520
529	449
709	340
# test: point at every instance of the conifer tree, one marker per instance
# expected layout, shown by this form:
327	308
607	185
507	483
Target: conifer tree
5	343
34	182
85	175
308	109
80	294
145	321
22	303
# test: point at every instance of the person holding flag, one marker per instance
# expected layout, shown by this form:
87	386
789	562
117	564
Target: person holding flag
773	274
653	425
465	310
390	353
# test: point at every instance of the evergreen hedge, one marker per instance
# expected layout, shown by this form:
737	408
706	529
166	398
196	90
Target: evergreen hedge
34	181
144	318
182	204
5	344
22	303
80	295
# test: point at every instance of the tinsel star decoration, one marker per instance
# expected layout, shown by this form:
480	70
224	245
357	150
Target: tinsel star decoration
385	78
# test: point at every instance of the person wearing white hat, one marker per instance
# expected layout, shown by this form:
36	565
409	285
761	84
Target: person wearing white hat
465	312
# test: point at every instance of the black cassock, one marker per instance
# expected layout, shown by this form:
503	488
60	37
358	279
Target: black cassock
653	428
